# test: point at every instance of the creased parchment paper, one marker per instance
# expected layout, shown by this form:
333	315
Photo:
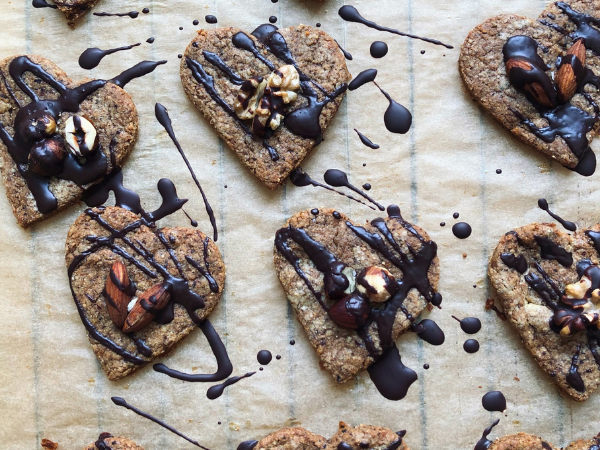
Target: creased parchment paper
51	385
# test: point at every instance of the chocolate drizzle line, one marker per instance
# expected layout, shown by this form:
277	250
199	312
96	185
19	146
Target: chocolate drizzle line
300	178
484	443
389	366
585	28
91	57
100	444
573	377
119	401
338	178
347	55
163	118
247	445
216	391
543	204
351	14
130	14
42	4
366	141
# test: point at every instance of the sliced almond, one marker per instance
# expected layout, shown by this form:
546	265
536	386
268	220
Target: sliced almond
148	304
118	293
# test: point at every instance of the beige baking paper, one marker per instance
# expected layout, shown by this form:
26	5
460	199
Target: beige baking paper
51	385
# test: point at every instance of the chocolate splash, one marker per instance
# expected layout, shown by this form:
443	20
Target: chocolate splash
543	204
494	401
484	443
91	57
216	391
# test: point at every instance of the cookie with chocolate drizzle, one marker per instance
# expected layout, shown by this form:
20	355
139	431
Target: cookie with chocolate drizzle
223	67
59	137
140	289
356	289
73	10
346	438
548	284
107	441
539	78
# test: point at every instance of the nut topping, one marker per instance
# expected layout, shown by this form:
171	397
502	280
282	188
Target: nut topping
351	311
339	280
581	304
376	283
81	136
570	71
150	302
38	127
119	291
533	80
46	157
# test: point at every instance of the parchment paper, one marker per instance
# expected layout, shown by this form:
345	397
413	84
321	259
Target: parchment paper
51	385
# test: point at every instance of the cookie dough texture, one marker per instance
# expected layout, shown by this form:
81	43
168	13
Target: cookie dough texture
524	441
482	68
341	351
74	9
110	109
116	443
89	279
528	313
372	437
316	54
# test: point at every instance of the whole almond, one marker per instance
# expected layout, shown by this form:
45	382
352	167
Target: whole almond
533	82
570	71
119	291
147	305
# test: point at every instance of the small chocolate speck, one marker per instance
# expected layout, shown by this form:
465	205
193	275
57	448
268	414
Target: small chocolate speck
278	357
455	215
196	22
422	52
336	215
442	224
425	366
498	171
292	342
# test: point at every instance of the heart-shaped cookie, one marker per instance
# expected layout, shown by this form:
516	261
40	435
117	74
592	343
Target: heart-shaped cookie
537	79
57	136
546	282
269	94
354	288
139	290
524	441
346	438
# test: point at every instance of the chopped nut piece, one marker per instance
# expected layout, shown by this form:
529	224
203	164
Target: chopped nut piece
81	136
376	283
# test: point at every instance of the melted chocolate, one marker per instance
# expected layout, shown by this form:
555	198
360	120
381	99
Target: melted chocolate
142	347
397	118
264	357
461	230
351	14
365	140
347	55
301	179
338	178
247	445
42	4
543	204
216	391
586	27
551	250
137	71
378	49
484	443
210	19
366	76
130	14
471	346
390	376
150	40
523	47
366	186
119	401
91	57
100	444
430	332
163	118
216	61
470	325
494	401
224	366
573	377
518	263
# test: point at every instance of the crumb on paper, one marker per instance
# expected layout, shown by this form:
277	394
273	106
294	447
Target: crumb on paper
47	444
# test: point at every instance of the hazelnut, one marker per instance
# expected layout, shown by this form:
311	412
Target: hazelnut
351	311
339	280
376	283
81	136
37	127
46	157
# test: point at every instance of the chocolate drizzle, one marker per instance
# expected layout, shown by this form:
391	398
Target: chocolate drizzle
518	263
366	76
347	55
429	331
551	250
470	325
137	71
163	118
216	61
130	14
543	204
100	444
91	57
42	4
216	391
338	178
585	27
484	443
366	141
573	377
494	401
414	275
119	401
247	445
351	14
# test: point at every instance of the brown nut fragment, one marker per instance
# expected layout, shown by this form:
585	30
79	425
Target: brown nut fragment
46	157
339	280
350	311
249	96
119	291
147	305
81	136
376	283
37	127
533	80
571	71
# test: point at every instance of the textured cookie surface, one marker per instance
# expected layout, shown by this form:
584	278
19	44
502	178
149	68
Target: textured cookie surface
110	109
315	53
483	71
173	250
74	9
524	441
113	443
362	436
344	352
549	259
